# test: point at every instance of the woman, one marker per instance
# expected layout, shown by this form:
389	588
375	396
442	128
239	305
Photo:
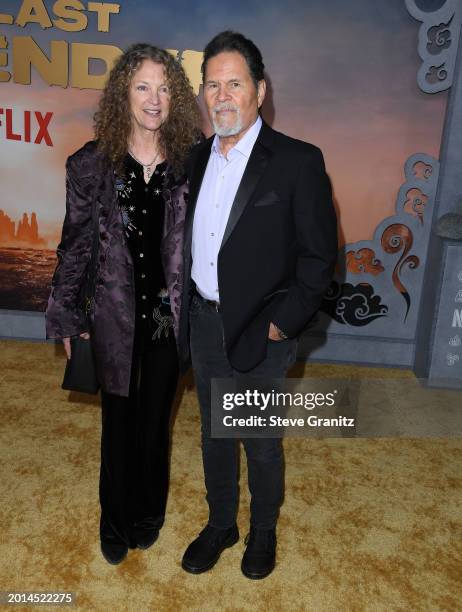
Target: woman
146	124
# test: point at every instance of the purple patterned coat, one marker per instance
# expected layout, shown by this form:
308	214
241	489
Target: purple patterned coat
112	322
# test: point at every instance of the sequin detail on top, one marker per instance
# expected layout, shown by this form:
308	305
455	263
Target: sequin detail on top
142	210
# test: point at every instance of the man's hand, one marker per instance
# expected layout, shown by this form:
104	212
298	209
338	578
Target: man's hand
275	333
67	343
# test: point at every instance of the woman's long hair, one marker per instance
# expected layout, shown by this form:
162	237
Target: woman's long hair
113	121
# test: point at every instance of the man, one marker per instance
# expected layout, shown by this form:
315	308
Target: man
260	247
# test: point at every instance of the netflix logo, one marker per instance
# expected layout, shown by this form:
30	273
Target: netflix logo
34	128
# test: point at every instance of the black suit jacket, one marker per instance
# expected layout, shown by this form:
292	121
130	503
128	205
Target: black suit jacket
279	249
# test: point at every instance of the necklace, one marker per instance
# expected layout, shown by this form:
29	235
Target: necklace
147	168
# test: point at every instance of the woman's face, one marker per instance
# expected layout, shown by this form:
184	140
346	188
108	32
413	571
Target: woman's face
149	97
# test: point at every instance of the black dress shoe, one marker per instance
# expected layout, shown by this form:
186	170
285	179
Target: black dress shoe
146	532
113	552
260	555
202	554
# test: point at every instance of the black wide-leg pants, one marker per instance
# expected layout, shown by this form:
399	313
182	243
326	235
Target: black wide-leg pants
135	446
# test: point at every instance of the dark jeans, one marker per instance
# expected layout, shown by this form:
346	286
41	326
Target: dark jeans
220	455
135	446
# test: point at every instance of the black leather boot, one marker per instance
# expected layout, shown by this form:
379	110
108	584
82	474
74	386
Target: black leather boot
202	554
260	555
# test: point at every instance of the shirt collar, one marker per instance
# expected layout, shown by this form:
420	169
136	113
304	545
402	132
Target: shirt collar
245	144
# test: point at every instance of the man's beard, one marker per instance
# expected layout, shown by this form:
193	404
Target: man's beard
227	130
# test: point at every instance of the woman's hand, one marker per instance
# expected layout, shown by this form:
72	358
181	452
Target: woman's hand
67	343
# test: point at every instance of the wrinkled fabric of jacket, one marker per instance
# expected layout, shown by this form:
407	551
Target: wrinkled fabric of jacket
90	178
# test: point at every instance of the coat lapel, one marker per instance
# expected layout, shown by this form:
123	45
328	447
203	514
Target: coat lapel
256	166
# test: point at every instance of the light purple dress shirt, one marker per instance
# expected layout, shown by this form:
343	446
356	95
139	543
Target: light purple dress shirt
218	190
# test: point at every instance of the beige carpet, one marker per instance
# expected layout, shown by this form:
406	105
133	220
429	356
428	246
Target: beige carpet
366	525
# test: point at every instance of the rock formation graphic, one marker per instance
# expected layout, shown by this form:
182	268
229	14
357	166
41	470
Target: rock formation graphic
26	234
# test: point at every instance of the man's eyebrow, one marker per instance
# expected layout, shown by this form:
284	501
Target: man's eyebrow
228	81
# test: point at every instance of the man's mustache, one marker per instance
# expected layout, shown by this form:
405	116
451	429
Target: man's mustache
225	107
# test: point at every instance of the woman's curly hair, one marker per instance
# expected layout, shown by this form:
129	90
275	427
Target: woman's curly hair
113	122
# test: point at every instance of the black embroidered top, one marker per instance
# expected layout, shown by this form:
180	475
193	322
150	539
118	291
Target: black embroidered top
142	207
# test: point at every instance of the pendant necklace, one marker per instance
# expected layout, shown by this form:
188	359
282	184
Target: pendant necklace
147	168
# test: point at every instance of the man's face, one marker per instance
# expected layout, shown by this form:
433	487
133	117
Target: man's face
230	94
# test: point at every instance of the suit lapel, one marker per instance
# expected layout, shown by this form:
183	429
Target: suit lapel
194	186
256	166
